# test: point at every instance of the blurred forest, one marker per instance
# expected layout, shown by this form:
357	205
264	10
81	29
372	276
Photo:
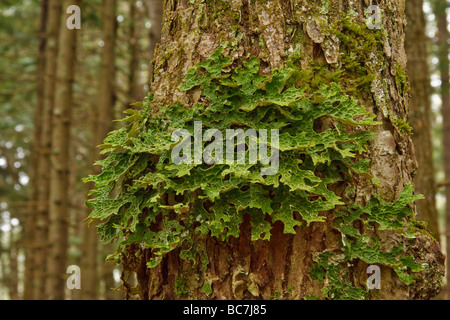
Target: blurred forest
59	94
113	53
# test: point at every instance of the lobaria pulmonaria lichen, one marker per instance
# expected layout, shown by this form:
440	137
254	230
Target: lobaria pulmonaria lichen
143	198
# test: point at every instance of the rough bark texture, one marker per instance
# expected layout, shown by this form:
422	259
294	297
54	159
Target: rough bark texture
420	109
242	269
59	168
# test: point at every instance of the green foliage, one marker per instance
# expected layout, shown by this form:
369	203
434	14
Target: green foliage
387	216
277	296
143	198
360	45
207	288
328	271
378	215
180	287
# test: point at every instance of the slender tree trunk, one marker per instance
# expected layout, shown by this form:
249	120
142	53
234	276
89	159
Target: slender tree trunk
420	108
5	263
89	280
103	124
134	54
76	208
43	176
245	269
2	266
36	155
155	13
14	244
90	274
440	8
59	169
107	73
106	114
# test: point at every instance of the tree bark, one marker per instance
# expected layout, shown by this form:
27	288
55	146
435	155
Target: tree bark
280	268
440	8
36	155
40	245
104	115
420	110
59	168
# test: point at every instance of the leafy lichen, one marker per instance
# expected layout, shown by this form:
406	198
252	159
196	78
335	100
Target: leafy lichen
143	198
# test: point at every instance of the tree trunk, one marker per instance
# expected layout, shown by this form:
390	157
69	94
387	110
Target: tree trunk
41	231
282	265
59	169
5	263
420	110
134	55
440	8
2	266
102	125
14	247
36	155
89	263
326	45
106	116
154	9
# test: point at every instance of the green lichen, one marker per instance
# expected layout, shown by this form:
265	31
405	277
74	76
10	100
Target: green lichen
180	287
402	125
276	296
366	246
207	288
329	272
401	79
357	46
142	198
325	5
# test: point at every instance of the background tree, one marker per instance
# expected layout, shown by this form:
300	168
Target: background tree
439	9
34	187
45	147
59	169
416	45
17	99
155	10
102	123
